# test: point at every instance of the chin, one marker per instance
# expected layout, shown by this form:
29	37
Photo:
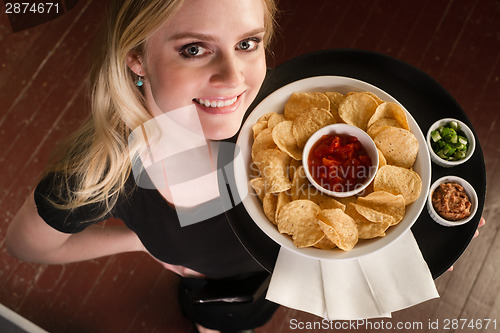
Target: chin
221	134
221	127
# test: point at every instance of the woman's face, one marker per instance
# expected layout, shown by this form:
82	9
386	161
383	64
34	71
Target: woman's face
209	54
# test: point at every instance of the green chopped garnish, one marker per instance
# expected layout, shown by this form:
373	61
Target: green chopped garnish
435	136
449	142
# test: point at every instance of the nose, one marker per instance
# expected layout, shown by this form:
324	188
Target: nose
228	71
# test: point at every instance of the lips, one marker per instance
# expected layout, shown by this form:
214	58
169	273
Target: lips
218	105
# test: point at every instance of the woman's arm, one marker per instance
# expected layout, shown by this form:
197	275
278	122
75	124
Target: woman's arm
29	238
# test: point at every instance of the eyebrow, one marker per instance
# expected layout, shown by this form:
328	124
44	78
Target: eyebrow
202	36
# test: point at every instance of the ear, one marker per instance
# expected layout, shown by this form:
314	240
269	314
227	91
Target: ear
135	63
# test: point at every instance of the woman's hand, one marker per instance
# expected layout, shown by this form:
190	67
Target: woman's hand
179	270
182	271
482	222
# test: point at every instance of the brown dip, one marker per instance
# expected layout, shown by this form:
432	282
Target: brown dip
451	202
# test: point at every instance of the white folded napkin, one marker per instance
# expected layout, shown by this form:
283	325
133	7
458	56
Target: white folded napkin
372	286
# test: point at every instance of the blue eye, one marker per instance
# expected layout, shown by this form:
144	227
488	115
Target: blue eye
245	45
250	44
193	51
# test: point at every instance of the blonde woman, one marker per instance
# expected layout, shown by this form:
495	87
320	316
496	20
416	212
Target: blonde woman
156	56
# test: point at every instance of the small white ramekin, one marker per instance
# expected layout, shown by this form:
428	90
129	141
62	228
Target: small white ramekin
343	129
468	133
471	193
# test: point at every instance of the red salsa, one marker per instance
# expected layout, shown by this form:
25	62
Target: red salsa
339	163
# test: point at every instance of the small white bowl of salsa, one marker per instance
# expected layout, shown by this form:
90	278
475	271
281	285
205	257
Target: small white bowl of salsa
340	160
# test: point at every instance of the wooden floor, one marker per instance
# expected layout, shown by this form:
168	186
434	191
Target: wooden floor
42	99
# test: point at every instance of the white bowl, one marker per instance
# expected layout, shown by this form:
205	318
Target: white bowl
471	193
468	133
342	129
243	171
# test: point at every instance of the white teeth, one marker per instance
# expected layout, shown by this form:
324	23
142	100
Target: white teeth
216	103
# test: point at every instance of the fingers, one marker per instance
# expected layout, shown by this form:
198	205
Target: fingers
181	270
482	222
187	272
202	329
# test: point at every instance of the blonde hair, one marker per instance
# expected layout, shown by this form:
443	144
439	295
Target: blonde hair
93	163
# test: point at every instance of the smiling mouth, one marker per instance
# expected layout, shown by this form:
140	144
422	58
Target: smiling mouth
216	103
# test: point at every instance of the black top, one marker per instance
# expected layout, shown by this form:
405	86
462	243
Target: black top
209	247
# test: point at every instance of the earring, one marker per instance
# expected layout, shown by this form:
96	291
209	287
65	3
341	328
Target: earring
139	81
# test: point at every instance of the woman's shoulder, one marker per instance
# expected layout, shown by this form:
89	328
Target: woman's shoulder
53	196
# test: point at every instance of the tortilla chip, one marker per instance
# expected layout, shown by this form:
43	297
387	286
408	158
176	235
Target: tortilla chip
357	109
261	124
294	166
283	138
300	102
322	200
390	110
366	228
399	146
300	184
307	123
398	181
273	164
259	186
262	142
373	215
283	199
381	159
269	204
298	219
385	202
335	99
379	125
339	227
325	244
274	120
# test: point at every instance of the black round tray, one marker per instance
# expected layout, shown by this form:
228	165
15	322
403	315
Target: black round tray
427	102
